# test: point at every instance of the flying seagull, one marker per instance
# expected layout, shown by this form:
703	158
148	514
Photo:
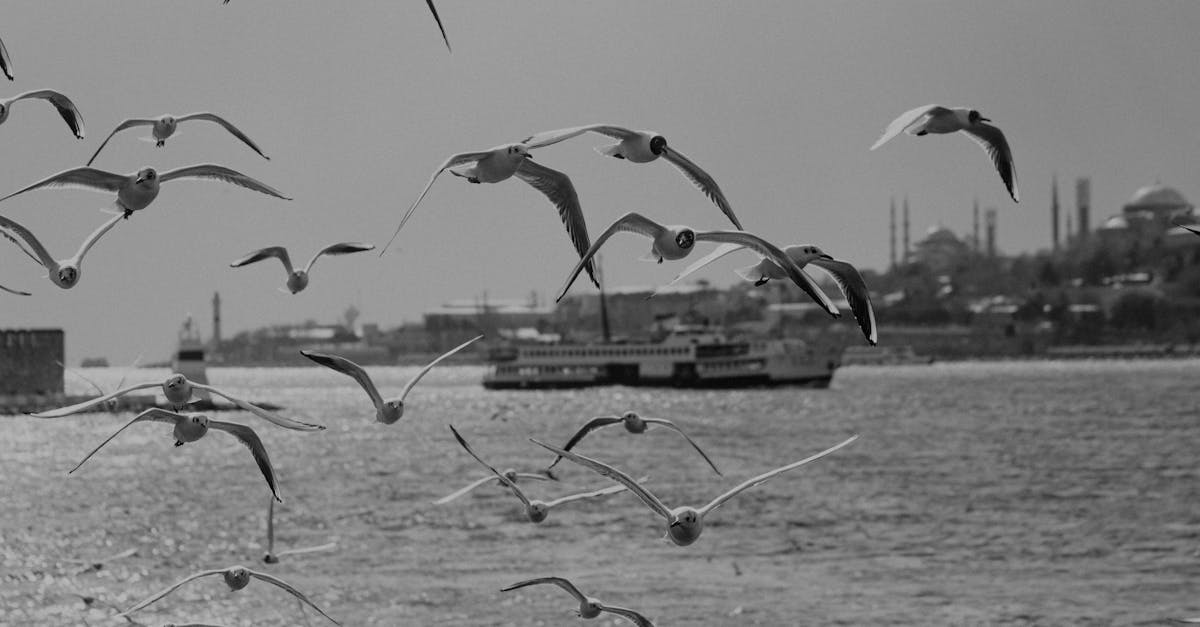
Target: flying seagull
163	127
642	147
298	277
938	120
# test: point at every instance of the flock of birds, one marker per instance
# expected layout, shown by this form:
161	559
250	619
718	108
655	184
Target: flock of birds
137	190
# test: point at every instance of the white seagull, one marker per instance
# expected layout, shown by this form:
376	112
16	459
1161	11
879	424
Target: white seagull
938	119
634	423
509	473
536	510
588	606
642	147
66	108
164	126
504	162
298	277
179	391
847	277
5	61
684	523
192	427
136	191
676	242
64	273
236	577
389	410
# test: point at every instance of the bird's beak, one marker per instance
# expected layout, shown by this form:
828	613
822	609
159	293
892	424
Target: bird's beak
983	119
529	155
826	256
139	180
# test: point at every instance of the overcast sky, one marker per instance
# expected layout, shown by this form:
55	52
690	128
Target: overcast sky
357	103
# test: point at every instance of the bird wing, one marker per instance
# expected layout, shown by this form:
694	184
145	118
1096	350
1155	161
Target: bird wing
458	159
766	476
612	489
992	141
558	188
287	587
155	414
66	108
854	288
561	582
265	414
212	117
5	61
271	525
638	619
702	180
152	599
130	123
433	9
17	292
278	252
95	237
413	381
308	549
631	222
463	490
781	259
343	248
347	367
42	255
546	138
85	177
21	245
905	120
717	253
250	439
670	425
220	173
647	497
588	427
505	480
86	405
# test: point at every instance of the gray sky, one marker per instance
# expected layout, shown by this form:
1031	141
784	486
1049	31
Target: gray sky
357	103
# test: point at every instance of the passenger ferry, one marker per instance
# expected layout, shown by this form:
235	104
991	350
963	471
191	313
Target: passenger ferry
687	357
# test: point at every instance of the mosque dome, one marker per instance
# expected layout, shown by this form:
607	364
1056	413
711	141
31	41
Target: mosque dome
1157	195
940	234
1116	222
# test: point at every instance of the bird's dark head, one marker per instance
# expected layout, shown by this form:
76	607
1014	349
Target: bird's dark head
175	380
685	238
68	276
658	144
975	117
146	175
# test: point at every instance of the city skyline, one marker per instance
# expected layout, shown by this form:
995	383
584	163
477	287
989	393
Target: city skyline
355	125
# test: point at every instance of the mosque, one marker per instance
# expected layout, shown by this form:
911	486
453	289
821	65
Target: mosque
1146	227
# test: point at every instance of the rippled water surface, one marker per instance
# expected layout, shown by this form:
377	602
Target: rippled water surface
980	493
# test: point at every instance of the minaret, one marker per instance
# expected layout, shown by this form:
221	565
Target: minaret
216	335
990	215
975	224
1083	200
1054	212
904	259
892	230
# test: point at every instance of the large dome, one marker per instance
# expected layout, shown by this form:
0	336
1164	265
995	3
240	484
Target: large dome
1158	196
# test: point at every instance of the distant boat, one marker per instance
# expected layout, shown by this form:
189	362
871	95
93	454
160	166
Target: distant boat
690	356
